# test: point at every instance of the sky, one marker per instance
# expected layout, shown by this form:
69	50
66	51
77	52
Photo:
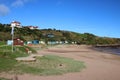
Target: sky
99	17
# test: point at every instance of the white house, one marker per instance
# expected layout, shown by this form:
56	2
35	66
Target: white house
16	24
33	27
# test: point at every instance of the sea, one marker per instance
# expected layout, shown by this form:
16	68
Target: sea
111	50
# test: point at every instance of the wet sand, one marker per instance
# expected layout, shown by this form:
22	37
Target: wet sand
99	65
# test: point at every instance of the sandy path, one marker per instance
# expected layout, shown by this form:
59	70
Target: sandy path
99	65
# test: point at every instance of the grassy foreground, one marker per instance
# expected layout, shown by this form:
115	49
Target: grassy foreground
46	65
52	65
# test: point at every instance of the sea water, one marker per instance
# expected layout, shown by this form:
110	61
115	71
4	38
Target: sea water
111	50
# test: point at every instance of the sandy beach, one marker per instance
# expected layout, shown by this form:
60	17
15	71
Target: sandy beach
99	65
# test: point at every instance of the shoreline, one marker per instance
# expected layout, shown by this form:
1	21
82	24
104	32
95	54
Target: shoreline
109	50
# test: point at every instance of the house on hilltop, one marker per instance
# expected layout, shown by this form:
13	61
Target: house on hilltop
16	24
33	27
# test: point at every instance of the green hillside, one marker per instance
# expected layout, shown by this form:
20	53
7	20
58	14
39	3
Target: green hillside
54	35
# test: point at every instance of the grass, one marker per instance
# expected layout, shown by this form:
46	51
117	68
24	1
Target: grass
2	43
51	65
7	58
18	51
46	65
4	79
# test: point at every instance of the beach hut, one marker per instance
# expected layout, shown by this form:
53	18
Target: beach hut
35	42
18	41
60	42
41	42
52	42
25	43
9	42
66	42
29	42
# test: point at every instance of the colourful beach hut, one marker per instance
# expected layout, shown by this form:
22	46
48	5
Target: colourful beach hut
9	42
18	41
35	42
29	42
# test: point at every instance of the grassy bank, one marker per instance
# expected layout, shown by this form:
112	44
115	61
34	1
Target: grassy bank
7	57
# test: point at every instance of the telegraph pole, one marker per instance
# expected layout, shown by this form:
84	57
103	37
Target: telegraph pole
12	33
12	41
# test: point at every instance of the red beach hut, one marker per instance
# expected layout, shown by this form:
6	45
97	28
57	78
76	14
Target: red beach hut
18	41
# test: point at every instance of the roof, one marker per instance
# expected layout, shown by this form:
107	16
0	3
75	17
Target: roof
16	22
33	26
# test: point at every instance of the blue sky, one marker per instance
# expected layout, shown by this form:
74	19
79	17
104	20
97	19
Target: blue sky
99	17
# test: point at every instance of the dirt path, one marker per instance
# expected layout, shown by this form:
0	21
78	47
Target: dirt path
99	65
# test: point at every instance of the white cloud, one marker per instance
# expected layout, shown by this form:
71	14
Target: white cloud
4	10
18	3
